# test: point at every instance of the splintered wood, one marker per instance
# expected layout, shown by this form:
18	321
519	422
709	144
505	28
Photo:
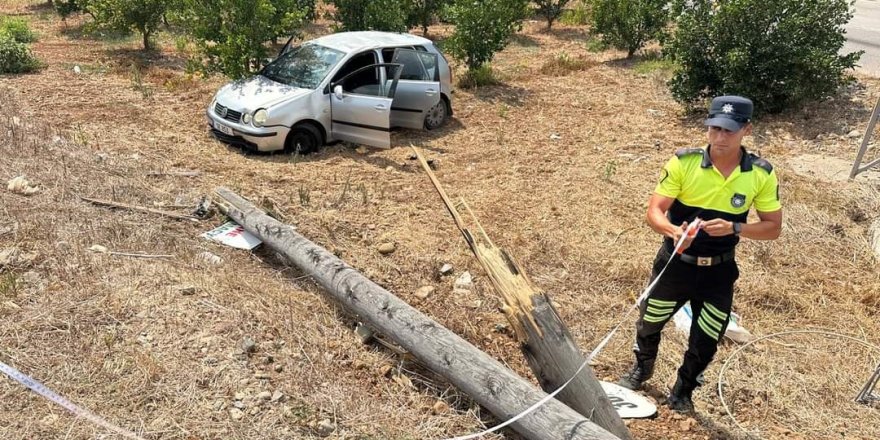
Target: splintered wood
511	282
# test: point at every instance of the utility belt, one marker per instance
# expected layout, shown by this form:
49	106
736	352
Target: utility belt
708	261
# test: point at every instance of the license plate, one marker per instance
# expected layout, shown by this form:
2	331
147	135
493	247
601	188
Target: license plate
224	129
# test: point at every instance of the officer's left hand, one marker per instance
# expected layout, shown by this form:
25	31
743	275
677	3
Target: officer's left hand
718	227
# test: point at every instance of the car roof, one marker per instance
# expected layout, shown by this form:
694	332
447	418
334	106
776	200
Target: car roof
356	41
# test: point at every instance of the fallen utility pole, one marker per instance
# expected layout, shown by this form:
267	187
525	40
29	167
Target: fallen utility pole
549	348
475	373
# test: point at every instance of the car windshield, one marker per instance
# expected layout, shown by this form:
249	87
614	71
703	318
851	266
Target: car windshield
304	66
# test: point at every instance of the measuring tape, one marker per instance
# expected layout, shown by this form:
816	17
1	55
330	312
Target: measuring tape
44	391
689	234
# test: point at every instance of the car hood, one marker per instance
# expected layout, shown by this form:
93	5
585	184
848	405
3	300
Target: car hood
249	94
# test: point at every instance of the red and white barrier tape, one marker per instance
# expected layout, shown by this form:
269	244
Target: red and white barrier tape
44	391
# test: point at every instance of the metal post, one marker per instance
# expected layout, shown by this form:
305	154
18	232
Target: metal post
857	168
867	393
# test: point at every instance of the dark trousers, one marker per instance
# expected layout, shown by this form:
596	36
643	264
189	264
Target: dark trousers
710	291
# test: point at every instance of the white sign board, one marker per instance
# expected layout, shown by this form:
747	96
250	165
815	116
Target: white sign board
628	403
232	234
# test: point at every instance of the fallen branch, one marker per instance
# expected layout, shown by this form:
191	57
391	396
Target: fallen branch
491	384
174	173
139	209
127	254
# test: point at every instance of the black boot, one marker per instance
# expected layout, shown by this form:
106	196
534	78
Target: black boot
679	399
641	371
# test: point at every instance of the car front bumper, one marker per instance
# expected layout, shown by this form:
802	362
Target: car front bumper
256	139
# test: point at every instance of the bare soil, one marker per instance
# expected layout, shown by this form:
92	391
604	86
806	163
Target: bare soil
126	338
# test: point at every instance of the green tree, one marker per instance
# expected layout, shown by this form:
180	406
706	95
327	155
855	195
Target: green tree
482	28
143	16
423	12
65	8
629	24
780	53
551	10
371	15
231	34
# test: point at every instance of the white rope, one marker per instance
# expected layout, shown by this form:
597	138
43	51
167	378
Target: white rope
775	335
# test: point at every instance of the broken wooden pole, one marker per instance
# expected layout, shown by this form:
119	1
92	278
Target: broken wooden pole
549	348
487	381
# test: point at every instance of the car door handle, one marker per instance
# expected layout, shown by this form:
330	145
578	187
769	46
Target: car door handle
379	107
430	92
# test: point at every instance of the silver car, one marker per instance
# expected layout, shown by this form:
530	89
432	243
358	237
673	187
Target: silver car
351	86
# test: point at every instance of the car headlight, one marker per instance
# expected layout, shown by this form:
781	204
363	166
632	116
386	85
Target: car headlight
247	118
260	117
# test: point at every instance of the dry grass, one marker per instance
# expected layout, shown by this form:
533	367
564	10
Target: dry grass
116	334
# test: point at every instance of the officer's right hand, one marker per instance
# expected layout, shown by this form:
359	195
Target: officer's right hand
679	232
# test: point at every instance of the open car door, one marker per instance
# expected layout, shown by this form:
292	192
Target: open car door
418	90
360	105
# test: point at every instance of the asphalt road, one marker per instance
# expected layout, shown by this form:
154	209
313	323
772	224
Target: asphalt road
863	33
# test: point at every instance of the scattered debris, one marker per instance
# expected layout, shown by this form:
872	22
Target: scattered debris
20	185
264	396
854	134
186	290
555	136
236	414
233	235
440	407
446	269
8	257
76	69
326	427
110	204
365	334
209	258
247	345
386	248
424	292
98	248
277	396
362	150
464	281
735	332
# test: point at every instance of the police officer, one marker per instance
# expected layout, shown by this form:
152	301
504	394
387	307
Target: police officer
717	184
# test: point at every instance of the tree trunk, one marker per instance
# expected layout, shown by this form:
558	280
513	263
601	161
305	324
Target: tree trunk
554	358
486	380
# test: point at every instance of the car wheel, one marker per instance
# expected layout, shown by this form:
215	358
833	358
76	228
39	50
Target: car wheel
437	115
303	139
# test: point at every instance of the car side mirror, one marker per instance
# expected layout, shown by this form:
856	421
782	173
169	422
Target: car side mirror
337	92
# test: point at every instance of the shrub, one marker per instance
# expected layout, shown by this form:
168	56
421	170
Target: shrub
144	16
564	63
577	16
16	57
423	12
629	24
482	28
65	8
370	15
481	76
17	29
551	10
230	34
780	54
289	17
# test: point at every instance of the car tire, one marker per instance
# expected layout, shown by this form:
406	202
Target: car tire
437	115
303	139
